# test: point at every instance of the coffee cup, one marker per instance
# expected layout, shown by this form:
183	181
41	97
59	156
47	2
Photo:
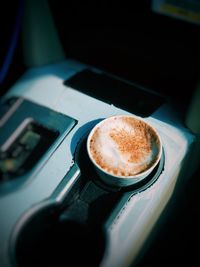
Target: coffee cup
124	149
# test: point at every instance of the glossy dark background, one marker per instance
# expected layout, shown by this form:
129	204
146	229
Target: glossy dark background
129	40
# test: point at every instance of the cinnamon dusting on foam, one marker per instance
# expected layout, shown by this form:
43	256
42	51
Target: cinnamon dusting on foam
135	144
124	146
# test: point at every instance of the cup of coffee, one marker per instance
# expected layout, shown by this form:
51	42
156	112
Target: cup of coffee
124	149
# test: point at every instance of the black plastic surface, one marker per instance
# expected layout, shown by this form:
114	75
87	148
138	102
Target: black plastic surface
121	94
26	150
46	241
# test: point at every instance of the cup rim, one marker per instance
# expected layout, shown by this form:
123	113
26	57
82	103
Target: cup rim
139	176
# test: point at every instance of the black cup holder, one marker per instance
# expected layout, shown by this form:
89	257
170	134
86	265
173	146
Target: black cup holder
47	240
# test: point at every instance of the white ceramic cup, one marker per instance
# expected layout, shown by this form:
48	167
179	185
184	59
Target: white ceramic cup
124	149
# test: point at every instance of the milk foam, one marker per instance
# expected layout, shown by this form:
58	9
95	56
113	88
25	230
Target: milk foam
124	146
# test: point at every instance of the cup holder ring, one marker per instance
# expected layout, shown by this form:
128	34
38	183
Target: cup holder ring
41	239
88	170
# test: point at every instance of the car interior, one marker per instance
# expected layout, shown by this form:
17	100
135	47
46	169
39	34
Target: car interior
65	66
